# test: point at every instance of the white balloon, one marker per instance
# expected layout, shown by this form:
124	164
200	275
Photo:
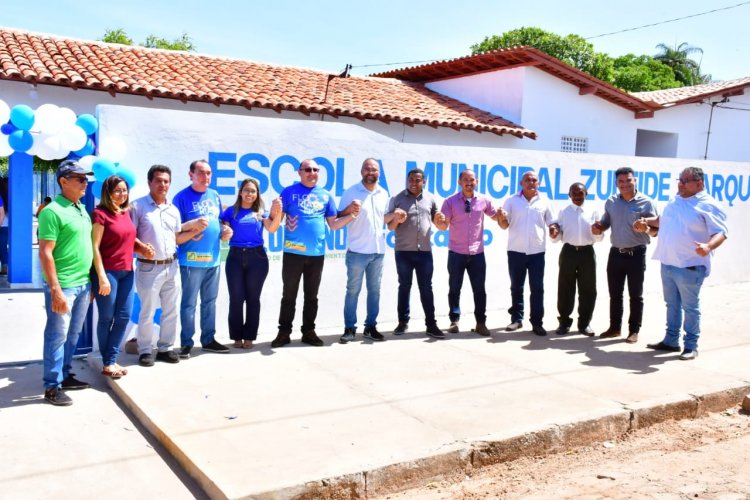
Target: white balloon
46	146
46	119
66	116
5	149
73	137
4	112
87	161
113	149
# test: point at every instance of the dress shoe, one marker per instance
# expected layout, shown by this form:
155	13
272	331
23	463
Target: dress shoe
610	333
453	328
689	354
587	331
562	330
401	328
661	346
281	340
482	330
632	338
311	338
539	330
515	325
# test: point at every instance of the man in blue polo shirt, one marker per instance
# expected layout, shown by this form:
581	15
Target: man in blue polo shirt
307	208
199	259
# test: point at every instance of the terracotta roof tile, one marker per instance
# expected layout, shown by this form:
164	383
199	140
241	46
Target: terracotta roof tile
684	95
38	58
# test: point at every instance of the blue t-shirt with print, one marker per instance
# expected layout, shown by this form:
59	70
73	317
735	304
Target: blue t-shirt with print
203	249
246	225
306	210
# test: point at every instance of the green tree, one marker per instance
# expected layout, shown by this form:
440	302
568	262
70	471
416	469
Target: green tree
642	74
184	42
686	69
571	49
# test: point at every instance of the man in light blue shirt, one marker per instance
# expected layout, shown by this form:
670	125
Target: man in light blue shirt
365	241
691	227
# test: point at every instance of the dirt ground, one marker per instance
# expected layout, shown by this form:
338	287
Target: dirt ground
708	457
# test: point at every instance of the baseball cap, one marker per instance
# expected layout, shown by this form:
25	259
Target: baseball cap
71	167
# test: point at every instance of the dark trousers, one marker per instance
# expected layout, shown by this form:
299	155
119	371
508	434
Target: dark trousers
629	265
476	267
577	267
295	267
409	263
246	271
518	265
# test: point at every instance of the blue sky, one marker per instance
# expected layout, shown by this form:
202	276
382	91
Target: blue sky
328	34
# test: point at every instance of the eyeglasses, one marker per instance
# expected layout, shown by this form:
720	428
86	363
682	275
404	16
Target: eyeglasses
310	169
248	191
467	206
82	180
120	191
685	181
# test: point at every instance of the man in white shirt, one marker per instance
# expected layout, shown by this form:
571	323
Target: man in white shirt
527	216
577	262
691	227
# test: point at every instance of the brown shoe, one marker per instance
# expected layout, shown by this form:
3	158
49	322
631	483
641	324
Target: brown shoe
482	330
453	328
311	338
610	333
632	338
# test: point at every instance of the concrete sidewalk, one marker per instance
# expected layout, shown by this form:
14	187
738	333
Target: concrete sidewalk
363	418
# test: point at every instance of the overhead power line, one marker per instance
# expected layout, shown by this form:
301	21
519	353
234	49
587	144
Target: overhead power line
668	21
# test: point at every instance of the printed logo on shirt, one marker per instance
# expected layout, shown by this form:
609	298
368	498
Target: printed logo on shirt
295	245
206	207
199	257
309	203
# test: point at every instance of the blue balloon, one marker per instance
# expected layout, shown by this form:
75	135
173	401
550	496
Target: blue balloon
86	150
8	128
22	117
20	140
102	169
96	188
88	123
127	175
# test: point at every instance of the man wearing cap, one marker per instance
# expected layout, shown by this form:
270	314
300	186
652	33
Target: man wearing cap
65	254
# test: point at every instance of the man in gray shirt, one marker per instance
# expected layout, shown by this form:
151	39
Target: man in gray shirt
411	214
627	257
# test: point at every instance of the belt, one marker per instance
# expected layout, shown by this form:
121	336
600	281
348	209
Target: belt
578	248
630	250
158	262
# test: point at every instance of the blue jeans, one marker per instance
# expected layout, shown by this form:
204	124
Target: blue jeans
476	267
681	289
61	333
359	265
518	264
114	313
246	272
408	263
206	281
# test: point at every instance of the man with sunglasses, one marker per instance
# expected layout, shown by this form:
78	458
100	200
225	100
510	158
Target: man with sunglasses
307	208
65	254
692	226
463	215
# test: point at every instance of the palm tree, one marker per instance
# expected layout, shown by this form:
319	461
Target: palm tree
686	69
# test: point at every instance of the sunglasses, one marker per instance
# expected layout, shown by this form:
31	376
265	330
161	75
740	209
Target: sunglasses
82	180
310	169
467	206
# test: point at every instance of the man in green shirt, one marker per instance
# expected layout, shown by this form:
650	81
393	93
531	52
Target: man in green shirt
65	253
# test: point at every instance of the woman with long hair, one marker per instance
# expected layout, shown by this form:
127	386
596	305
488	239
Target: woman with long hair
247	263
114	240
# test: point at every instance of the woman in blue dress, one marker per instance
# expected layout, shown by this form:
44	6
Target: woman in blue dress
247	263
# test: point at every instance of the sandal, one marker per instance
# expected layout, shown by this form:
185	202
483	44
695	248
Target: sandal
111	372
248	344
237	344
121	369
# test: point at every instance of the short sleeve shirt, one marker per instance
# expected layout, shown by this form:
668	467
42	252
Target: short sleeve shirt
466	228
118	239
413	235
306	209
69	226
247	227
366	233
203	250
619	215
156	225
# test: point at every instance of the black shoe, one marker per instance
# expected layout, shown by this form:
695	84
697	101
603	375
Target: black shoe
281	340
348	336
146	360
401	328
587	331
214	346
661	346
562	330
539	330
185	352
168	356
513	326
453	328
311	338
689	354
435	332
57	397
482	330
72	384
610	333
372	333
